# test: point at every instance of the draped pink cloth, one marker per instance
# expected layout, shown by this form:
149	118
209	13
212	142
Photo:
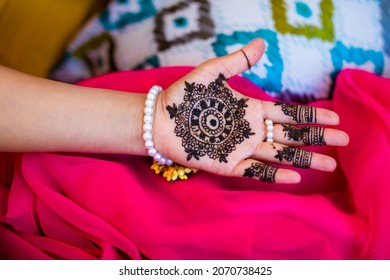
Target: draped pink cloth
74	206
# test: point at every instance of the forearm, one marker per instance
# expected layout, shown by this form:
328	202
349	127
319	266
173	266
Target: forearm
43	115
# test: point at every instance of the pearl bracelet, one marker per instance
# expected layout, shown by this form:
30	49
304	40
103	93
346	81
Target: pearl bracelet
148	126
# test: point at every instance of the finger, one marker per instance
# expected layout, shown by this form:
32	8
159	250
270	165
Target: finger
237	62
264	172
280	112
297	157
309	136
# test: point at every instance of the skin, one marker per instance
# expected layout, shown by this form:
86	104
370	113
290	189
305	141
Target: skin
44	116
252	150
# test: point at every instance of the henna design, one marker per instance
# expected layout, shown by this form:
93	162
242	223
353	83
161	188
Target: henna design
308	135
299	113
210	121
264	172
247	60
299	157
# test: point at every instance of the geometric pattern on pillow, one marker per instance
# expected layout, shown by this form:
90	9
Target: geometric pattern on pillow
307	42
343	57
122	13
385	21
314	18
183	23
268	72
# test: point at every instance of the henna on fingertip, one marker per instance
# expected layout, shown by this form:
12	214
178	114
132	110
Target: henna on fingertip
299	157
309	135
299	113
264	172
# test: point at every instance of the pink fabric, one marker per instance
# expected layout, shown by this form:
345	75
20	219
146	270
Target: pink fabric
68	206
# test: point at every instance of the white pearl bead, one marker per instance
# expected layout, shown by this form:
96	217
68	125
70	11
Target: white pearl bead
268	122
148	119
147	127
270	127
270	140
162	160
149	144
153	91
270	134
157	157
147	136
148	111
149	103
151	97
152	152
168	161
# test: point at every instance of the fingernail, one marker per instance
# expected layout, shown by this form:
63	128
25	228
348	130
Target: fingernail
335	118
344	138
295	178
331	164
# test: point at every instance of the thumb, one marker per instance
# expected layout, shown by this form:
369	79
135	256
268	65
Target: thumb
239	61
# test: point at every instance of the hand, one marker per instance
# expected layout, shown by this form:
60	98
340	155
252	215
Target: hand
202	123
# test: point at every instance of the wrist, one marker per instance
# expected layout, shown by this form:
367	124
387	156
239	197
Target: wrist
148	125
134	127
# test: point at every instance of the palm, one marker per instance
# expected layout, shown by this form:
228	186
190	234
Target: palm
204	124
213	125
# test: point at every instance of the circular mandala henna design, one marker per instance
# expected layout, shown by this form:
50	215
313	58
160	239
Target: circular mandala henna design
210	121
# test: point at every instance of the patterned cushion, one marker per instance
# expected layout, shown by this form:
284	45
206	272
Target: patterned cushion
308	41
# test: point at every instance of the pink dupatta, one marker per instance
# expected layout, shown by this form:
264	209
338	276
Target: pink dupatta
67	206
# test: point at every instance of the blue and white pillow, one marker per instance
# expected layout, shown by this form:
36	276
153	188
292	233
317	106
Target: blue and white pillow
308	41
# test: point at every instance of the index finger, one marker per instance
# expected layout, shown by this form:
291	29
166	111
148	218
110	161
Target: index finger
280	112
